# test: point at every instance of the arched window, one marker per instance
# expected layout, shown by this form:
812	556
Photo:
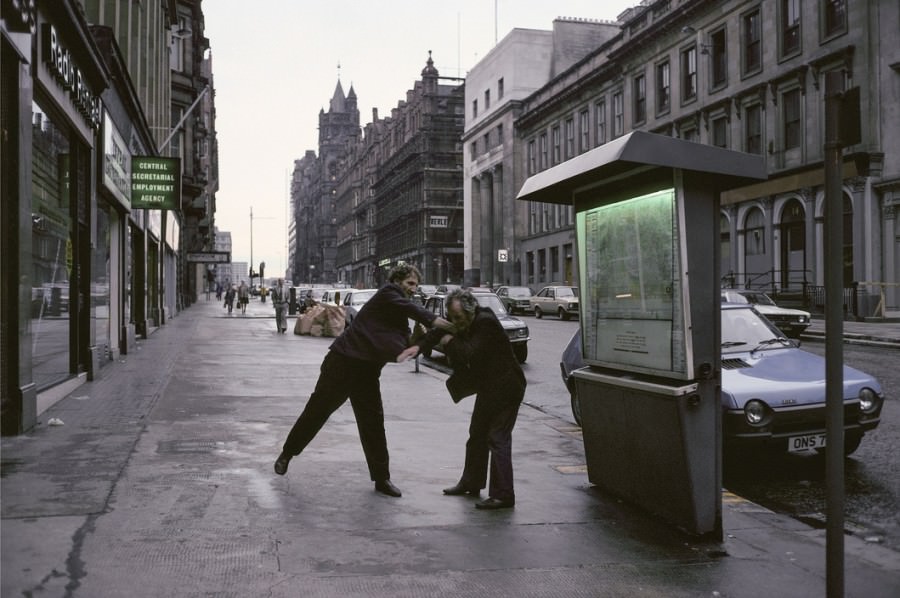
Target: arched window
754	232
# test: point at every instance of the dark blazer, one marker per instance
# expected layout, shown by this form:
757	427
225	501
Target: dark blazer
484	356
380	331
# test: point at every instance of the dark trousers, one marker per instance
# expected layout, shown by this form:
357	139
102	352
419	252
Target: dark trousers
490	439
340	378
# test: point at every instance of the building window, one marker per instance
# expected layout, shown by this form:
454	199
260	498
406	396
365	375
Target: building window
753	129
532	157
500	134
789	23
557	145
543	148
689	74
718	50
792	125
663	87
752	31
584	121
689	133
618	114
834	17
487	142
487	99
474	149
640	99
754	234
500	88
720	132
474	108
600	119
570	138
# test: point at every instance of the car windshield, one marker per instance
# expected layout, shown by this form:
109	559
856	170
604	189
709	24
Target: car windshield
732	297
360	297
492	301
744	330
519	292
759	299
428	289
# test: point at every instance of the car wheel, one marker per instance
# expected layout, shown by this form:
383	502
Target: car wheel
576	404
538	313
563	314
521	351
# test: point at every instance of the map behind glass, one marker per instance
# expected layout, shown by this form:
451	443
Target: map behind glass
632	278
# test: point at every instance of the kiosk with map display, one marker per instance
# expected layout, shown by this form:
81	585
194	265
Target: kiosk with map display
647	231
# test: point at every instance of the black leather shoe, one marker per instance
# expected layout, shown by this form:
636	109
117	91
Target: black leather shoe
460	489
281	463
386	487
490	504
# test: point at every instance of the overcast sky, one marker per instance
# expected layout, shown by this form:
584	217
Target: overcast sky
276	64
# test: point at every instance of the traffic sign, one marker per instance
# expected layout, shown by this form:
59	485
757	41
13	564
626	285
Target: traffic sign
209	257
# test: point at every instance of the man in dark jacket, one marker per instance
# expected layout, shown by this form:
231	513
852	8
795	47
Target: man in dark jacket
352	368
481	354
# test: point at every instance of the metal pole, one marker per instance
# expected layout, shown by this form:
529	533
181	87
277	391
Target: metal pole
834	379
251	244
180	122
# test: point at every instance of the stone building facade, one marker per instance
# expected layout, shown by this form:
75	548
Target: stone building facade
748	76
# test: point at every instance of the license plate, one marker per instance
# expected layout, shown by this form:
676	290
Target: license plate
806	442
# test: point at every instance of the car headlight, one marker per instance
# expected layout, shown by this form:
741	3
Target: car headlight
868	400
756	412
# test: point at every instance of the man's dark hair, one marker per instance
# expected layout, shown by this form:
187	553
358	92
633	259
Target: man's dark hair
402	272
466	299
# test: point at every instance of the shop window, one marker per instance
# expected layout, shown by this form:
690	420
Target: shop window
53	253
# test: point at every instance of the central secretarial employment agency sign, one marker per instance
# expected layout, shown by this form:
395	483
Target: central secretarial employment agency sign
155	183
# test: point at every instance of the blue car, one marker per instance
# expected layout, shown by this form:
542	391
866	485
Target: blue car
773	392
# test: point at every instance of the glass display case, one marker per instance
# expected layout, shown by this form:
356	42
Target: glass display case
634	282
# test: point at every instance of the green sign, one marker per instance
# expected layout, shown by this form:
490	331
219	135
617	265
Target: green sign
155	183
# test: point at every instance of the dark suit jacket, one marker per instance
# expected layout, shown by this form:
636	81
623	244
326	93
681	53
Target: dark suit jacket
484	356
380	331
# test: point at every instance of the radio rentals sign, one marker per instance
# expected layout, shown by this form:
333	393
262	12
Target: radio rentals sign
155	183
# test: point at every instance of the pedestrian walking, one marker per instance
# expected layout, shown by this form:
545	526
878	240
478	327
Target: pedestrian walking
280	303
229	297
352	369
243	294
483	364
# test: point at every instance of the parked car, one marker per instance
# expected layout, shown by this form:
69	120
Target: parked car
423	292
515	299
353	301
515	328
332	296
444	289
792	322
559	300
773	392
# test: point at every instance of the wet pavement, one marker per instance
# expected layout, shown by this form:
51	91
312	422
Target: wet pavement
160	483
